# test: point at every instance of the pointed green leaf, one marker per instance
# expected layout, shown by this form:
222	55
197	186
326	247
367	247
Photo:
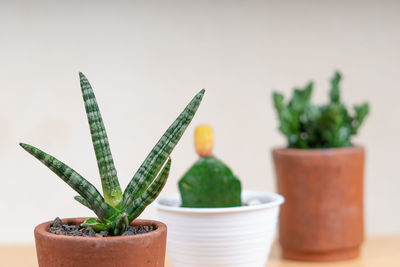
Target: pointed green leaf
150	194
301	98
335	90
82	201
95	224
361	111
120	224
73	179
108	174
157	157
278	101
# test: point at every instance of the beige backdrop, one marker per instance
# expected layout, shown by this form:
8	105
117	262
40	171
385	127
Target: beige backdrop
147	59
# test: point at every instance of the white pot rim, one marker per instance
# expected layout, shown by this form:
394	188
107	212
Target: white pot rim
274	200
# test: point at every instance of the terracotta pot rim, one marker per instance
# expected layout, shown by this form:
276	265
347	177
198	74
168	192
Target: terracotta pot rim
318	151
274	201
41	230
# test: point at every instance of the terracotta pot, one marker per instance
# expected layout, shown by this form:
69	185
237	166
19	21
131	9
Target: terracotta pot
322	218
117	251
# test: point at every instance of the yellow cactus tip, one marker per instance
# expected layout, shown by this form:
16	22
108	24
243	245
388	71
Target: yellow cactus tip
204	140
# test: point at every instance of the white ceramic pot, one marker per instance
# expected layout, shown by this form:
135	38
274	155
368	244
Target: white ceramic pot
221	237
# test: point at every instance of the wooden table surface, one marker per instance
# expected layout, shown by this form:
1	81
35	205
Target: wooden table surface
376	252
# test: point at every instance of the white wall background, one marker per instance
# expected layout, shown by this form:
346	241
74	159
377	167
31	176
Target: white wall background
147	59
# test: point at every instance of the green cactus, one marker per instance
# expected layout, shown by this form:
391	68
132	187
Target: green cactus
209	183
306	125
117	210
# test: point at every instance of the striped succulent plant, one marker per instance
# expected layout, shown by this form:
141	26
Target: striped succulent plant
117	210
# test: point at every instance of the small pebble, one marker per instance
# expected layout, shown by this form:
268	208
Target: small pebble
57	222
104	233
89	232
129	231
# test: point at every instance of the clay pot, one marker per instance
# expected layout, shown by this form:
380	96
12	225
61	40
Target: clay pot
322	218
117	251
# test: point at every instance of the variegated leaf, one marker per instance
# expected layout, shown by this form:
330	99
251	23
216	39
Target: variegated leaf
108	174
82	201
150	194
73	179
157	157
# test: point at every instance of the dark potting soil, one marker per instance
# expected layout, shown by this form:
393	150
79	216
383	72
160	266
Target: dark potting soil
58	228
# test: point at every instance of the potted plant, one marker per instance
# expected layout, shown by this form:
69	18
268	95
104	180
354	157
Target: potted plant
211	222
114	238
320	174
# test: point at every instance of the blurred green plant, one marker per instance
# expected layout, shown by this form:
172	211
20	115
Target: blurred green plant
306	125
209	183
117	210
